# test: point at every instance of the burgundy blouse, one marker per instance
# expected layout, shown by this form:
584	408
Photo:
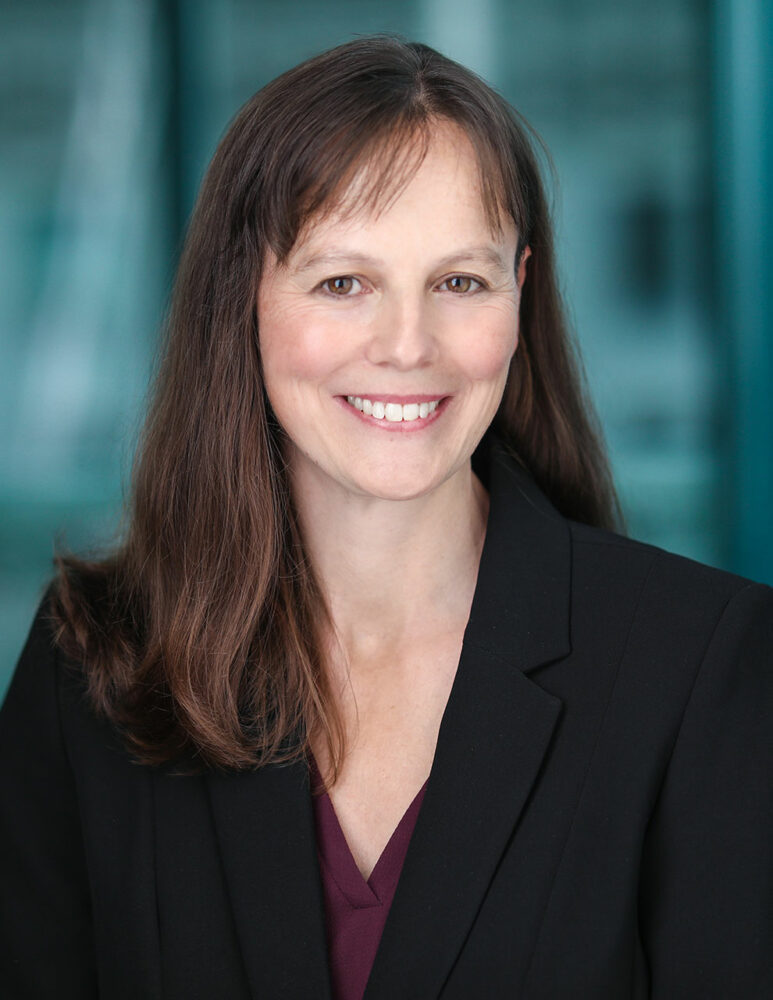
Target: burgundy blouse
355	909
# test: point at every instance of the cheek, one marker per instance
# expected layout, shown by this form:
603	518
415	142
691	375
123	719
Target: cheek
485	350
297	346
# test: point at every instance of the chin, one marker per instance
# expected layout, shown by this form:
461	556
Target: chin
390	488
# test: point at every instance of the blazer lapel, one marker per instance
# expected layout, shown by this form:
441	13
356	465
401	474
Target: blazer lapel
265	830
493	738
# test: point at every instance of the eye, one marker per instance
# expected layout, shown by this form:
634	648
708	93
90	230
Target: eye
340	286
464	287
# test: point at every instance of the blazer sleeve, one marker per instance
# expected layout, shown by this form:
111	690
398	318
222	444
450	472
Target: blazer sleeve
706	893
46	944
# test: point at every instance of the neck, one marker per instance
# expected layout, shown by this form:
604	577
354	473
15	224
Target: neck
392	571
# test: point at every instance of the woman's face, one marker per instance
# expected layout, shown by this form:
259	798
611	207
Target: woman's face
386	341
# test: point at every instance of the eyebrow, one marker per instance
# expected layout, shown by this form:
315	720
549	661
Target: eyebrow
480	254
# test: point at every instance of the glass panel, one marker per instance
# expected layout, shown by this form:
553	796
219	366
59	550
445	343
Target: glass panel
112	110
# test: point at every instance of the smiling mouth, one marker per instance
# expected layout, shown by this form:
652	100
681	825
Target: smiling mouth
394	412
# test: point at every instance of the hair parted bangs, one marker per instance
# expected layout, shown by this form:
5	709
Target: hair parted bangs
364	179
201	637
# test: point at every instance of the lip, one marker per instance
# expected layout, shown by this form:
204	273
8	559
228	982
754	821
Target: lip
386	397
399	426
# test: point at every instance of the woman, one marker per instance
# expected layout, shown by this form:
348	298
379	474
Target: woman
369	623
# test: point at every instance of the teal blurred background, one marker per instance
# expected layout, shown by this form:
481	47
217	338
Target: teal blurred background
657	113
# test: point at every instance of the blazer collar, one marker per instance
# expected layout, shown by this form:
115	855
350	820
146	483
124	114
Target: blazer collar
520	610
494	734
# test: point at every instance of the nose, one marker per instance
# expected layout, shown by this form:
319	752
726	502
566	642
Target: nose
403	335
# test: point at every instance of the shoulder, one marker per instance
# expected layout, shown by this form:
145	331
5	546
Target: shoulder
669	597
42	658
34	680
32	745
618	554
48	699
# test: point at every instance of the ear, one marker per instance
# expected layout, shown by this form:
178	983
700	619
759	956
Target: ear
522	266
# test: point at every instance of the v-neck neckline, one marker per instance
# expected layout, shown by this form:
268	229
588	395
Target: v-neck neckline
337	857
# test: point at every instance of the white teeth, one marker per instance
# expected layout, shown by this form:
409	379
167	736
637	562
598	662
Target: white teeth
393	412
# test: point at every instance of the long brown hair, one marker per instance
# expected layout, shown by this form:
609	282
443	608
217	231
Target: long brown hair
200	632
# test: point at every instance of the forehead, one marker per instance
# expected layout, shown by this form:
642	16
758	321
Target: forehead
444	153
439	170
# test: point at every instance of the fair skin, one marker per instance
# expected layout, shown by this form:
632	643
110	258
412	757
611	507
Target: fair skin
392	515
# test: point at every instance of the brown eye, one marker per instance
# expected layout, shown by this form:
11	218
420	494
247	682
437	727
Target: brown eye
340	286
463	283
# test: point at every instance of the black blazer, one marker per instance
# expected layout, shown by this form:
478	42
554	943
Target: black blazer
597	822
